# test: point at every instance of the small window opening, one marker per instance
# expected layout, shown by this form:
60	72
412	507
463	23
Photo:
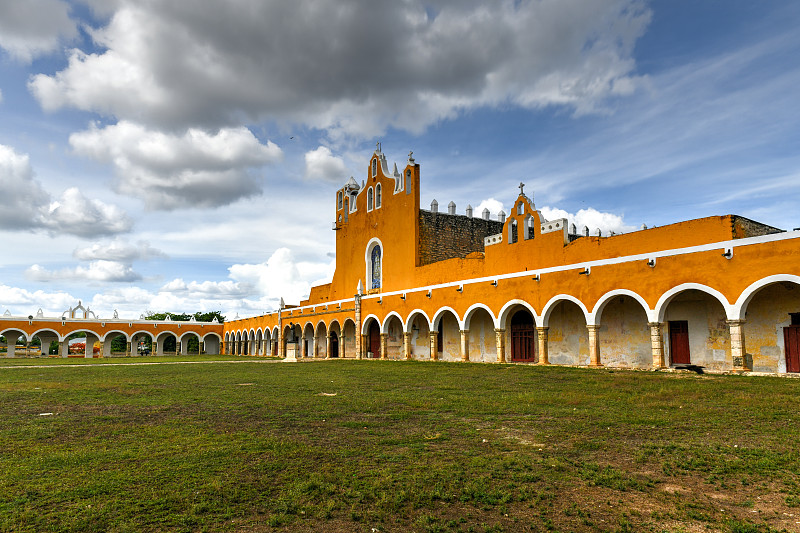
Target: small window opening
369	199
377	196
374	167
512	232
521	208
795	319
339	201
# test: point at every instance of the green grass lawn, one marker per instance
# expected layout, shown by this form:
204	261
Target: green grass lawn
394	446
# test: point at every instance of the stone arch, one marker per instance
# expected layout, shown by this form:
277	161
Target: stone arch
108	339
441	311
471	312
211	343
448	327
46	336
371	329
393	329
511	307
308	349
348	341
665	299
91	339
518	320
259	340
415	314
740	307
568	338
594	316
418	324
141	336
384	326
555	300
768	310
366	319
321	340
696	327
167	343
186	345
624	340
481	323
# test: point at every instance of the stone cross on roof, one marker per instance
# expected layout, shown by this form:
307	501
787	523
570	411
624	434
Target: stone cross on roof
521	192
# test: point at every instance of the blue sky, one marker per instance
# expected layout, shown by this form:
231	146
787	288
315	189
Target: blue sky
155	156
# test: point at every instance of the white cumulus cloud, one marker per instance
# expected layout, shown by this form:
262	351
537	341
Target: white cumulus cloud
28	206
322	165
350	67
169	171
591	218
105	271
32	28
118	250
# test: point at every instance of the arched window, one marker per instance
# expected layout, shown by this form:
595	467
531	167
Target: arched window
375	263
369	199
521	208
512	232
377	196
374	167
346	210
339	201
353	202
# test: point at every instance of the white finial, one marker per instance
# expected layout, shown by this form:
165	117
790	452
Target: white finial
360	288
282	303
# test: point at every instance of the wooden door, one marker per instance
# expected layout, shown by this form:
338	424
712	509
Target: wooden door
679	342
523	337
375	339
791	338
334	345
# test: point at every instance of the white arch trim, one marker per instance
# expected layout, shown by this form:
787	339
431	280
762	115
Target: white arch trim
46	330
410	320
364	323
189	333
666	298
604	299
740	307
441	311
550	305
211	334
471	311
114	332
385	325
502	316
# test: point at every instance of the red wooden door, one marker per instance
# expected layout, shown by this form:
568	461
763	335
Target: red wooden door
679	342
523	337
791	337
375	339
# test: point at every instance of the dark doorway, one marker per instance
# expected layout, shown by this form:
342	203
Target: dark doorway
523	337
334	344
679	342
375	339
791	338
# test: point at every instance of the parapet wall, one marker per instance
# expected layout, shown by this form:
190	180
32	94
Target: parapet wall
443	236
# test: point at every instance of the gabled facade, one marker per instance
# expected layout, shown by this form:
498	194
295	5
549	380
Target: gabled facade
410	283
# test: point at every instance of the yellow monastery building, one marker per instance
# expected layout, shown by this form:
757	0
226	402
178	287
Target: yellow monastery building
722	293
